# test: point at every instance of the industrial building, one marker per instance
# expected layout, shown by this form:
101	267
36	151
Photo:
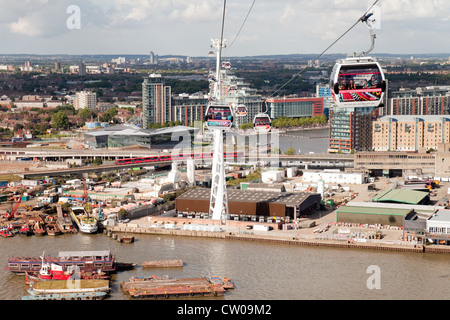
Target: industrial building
438	227
251	205
334	176
410	217
406	196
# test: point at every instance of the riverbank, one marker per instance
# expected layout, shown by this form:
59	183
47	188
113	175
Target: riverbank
303	237
295	129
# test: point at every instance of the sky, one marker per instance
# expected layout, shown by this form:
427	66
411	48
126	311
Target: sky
186	27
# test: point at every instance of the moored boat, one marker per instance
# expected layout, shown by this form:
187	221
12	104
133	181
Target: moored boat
224	282
66	296
52	229
85	261
76	286
55	272
84	222
6	233
38	229
168	288
25	230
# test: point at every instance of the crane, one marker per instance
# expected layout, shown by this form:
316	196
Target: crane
12	213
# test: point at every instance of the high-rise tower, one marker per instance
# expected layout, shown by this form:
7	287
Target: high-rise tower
156	100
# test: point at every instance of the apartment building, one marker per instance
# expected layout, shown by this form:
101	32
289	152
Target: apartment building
410	133
433	100
156	101
85	99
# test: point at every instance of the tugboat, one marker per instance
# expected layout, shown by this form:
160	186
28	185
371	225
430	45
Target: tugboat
38	229
52	229
6	233
25	230
53	271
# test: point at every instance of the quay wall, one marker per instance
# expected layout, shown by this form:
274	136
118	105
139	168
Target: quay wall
278	239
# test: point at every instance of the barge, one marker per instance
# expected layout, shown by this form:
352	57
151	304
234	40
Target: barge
162	264
168	288
66	296
84	260
74	286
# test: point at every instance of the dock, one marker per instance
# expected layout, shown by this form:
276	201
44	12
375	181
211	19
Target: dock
163	264
170	288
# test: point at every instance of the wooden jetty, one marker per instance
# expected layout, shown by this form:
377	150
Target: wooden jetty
163	264
168	288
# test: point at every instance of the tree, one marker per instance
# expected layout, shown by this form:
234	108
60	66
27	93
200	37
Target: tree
60	120
97	162
290	151
109	115
86	113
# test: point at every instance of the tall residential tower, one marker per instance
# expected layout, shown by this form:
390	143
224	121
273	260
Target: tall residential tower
156	101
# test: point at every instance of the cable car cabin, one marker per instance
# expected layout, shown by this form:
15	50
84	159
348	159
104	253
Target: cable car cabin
219	116
262	123
357	82
241	110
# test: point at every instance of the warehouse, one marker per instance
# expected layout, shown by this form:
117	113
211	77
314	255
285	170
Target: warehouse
400	215
372	215
438	227
334	176
248	204
402	196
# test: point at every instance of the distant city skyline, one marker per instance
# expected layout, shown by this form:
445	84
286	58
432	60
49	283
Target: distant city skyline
185	27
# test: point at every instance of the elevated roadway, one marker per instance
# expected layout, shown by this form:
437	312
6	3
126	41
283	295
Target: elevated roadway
107	154
312	161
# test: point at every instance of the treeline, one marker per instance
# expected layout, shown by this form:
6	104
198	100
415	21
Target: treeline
286	122
165	125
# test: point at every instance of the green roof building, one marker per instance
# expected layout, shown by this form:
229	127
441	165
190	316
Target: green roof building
402	196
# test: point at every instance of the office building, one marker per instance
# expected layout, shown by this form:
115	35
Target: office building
85	99
294	107
156	101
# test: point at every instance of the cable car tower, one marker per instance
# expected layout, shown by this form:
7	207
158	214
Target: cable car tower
219	118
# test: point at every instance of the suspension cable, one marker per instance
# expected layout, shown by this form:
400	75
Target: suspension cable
243	23
362	18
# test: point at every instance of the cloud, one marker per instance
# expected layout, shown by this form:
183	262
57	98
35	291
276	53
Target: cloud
26	26
285	26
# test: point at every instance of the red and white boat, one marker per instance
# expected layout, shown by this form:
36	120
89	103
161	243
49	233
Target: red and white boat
5	232
53	271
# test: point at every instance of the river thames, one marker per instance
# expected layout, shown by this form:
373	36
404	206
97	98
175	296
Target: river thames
259	271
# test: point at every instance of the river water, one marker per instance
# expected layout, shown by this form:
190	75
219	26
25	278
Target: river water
314	140
259	271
